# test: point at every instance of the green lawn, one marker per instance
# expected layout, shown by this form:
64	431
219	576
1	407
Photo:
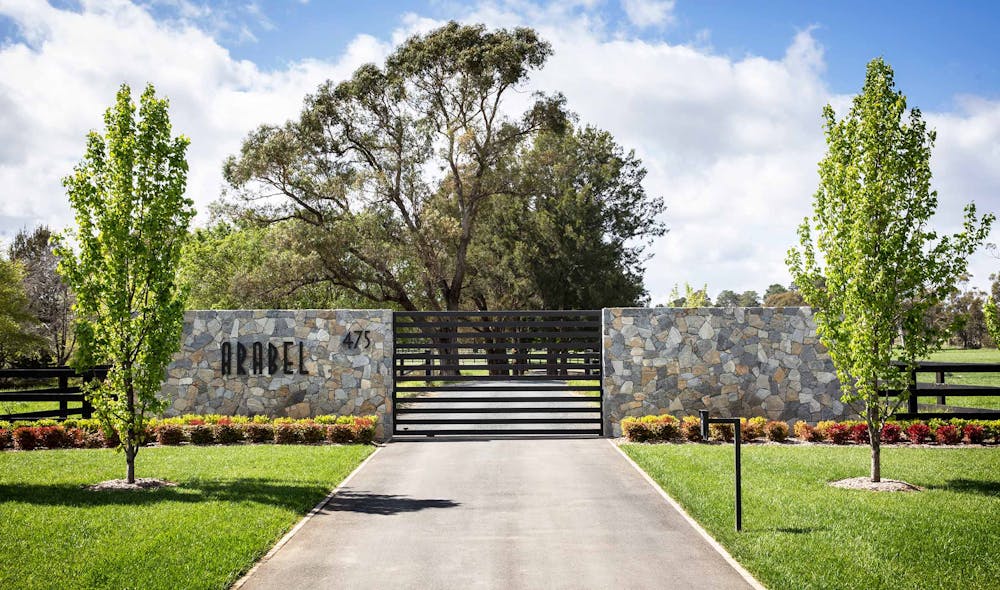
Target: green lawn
801	533
231	505
983	355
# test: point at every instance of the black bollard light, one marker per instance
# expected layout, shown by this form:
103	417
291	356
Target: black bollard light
705	421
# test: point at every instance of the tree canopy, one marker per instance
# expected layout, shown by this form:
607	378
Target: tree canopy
868	262
416	185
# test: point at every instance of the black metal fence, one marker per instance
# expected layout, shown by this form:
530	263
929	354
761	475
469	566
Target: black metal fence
497	372
36	384
942	390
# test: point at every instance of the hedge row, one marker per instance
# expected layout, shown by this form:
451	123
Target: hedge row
195	429
669	428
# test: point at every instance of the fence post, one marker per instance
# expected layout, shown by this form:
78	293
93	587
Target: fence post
940	380
911	402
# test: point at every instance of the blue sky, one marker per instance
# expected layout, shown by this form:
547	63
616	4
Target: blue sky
939	49
721	100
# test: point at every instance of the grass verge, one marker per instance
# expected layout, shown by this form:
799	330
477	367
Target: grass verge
801	533
230	505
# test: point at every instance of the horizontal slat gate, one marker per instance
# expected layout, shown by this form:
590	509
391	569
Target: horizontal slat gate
497	372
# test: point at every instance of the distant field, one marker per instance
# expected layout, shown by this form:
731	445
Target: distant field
983	355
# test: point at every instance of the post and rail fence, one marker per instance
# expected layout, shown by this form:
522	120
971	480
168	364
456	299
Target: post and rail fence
942	390
63	393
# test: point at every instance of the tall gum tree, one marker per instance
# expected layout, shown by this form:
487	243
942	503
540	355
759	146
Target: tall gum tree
121	261
868	263
389	171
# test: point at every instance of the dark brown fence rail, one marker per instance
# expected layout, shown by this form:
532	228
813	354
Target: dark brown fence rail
941	390
64	393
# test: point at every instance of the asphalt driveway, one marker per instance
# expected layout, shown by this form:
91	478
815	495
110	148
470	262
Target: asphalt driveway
497	513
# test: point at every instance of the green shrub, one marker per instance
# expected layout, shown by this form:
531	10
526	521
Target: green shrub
287	433
258	432
753	428
312	433
635	430
776	431
363	429
339	433
723	432
201	434
326	419
227	432
169	434
691	428
260	419
805	432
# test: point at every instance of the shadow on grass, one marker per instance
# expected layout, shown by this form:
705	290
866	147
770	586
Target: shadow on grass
969	486
290	495
384	504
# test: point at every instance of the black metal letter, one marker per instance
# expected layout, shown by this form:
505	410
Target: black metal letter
241	357
287	364
258	358
227	358
302	362
272	359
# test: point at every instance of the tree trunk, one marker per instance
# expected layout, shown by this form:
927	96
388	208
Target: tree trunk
876	459
130	452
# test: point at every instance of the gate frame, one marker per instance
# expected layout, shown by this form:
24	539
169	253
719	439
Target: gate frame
595	319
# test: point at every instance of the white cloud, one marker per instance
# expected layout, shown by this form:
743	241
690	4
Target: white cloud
56	87
731	144
649	13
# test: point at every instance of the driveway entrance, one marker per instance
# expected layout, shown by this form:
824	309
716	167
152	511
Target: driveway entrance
503	513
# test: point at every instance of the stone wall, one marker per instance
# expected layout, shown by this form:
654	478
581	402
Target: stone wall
733	361
334	378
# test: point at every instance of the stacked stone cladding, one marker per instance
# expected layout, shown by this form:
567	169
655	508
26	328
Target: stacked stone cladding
732	361
340	379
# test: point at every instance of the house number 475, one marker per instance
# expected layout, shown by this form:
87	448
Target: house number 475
354	338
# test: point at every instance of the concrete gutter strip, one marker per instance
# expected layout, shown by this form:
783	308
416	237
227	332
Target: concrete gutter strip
322	503
694	523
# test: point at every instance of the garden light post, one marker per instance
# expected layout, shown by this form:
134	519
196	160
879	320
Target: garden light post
705	421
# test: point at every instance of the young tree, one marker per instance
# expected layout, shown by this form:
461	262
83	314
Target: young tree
121	261
876	267
49	297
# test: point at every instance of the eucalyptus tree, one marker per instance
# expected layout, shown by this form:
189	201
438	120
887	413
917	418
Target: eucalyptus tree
389	172
868	262
49	297
121	260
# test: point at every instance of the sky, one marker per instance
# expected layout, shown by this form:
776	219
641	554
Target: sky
720	100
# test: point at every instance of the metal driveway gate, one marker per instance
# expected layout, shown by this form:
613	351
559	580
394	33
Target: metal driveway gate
497	372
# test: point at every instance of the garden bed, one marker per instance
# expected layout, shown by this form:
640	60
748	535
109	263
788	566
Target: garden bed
191	429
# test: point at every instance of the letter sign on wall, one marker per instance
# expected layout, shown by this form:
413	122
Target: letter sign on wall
277	358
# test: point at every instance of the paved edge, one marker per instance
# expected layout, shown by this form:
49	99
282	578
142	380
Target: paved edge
288	536
747	576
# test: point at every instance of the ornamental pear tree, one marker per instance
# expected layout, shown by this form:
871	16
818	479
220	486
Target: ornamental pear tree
869	264
121	261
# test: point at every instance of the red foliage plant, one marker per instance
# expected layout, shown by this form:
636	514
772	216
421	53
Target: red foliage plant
918	432
974	434
891	433
948	434
860	434
838	433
